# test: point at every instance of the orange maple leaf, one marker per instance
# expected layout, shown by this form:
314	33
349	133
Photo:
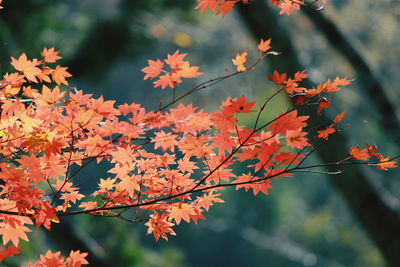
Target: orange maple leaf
385	164
356	153
247	179
175	60
225	7
181	211
207	4
207	200
27	67
14	233
52	259
50	55
44	76
153	69
59	75
165	141
222	6
240	60
288	5
159	226
164	81
187	71
76	258
264	45
48	95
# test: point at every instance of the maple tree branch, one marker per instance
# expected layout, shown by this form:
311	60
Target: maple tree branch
375	92
358	192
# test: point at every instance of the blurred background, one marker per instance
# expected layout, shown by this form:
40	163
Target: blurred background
352	219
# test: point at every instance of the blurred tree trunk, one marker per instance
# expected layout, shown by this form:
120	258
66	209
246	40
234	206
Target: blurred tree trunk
380	221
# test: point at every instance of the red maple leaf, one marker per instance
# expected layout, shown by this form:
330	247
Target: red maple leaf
288	121
326	132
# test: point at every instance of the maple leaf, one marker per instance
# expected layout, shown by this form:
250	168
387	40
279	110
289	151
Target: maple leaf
187	71
372	151
103	108
223	141
72	196
185	165
27	67
288	5
181	211
164	81
277	78
130	184
44	75
207	4
32	164
207	200
159	226
240	60
194	146
48	95
300	75
50	55
288	121
296	139
258	186
332	87
107	185
76	259
326	132
264	45
13	233
153	69
222	6
265	154
14	79
165	141
237	105
385	164
59	75
52	259
175	60
339	117
225	7
356	153
88	205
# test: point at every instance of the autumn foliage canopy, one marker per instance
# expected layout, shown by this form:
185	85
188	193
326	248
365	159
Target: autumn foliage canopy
168	165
